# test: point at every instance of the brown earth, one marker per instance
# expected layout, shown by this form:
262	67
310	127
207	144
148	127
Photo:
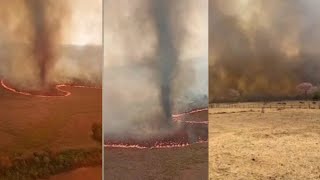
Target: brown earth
88	173
188	163
281	143
184	163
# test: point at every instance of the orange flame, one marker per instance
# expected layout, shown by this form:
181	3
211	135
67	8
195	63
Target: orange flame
58	88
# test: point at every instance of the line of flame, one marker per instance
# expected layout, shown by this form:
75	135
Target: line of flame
58	87
174	145
194	122
190	112
127	146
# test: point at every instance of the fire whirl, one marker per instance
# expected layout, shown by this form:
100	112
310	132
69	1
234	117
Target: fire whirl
193	129
56	91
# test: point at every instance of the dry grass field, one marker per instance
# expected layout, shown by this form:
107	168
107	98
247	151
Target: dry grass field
281	141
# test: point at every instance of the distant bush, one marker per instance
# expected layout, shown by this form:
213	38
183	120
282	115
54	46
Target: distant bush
97	132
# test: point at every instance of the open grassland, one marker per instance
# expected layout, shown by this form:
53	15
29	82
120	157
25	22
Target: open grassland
278	140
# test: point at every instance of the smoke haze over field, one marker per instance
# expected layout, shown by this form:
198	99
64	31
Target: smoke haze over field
263	48
155	62
40	43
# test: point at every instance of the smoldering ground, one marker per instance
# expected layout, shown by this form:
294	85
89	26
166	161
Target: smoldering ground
150	70
262	48
34	51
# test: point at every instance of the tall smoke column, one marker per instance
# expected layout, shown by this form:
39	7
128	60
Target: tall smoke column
166	53
46	30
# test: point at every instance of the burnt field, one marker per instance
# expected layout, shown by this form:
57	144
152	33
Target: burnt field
277	140
171	161
30	126
188	163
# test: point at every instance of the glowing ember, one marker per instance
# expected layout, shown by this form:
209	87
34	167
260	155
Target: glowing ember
189	132
53	92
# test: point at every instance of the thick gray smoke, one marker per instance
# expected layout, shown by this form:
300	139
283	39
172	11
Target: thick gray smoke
263	49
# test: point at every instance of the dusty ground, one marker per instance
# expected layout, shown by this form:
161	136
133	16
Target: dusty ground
188	163
277	144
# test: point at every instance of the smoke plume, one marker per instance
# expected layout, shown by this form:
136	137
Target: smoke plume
166	53
46	33
36	50
262	49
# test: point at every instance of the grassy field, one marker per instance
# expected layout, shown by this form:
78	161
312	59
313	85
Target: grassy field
34	124
279	141
188	163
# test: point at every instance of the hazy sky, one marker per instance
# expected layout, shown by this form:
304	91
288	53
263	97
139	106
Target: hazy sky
81	21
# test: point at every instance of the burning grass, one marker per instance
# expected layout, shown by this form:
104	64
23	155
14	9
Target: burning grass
178	155
49	91
187	128
188	134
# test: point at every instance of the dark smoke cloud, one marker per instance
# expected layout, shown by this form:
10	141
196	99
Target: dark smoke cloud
151	71
262	48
